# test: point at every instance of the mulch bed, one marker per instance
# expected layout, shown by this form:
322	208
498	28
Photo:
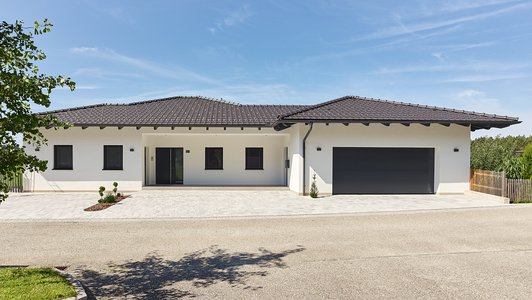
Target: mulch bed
102	206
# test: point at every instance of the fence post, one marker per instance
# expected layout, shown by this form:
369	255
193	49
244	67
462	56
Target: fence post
504	184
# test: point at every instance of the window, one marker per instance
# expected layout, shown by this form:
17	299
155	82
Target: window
214	158
254	159
112	157
63	157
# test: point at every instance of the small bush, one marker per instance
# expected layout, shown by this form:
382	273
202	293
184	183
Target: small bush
527	160
100	191
489	153
313	188
115	189
514	167
109	198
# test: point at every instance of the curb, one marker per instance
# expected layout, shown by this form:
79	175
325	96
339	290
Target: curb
503	200
80	291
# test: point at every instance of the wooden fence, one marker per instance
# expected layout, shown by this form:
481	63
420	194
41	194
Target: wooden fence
488	182
519	190
16	185
496	183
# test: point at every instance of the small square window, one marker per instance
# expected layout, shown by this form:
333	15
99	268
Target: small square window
62	157
254	159
214	158
113	157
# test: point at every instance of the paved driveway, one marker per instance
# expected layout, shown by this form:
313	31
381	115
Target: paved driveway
438	254
154	204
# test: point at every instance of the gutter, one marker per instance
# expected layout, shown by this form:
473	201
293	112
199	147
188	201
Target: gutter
304	157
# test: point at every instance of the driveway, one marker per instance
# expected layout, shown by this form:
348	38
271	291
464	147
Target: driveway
156	204
436	254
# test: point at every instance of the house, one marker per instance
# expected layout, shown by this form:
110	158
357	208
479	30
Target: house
354	145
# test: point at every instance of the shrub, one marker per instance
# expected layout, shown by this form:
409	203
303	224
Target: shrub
314	188
109	198
100	191
526	157
514	167
115	189
489	153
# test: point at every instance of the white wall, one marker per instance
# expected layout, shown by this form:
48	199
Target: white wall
233	141
295	155
451	168
87	173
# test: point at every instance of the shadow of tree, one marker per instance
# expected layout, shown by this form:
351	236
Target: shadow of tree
153	277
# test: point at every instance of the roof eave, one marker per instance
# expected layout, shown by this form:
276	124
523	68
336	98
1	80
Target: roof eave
475	124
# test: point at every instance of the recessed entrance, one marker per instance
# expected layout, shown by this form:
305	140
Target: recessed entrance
169	165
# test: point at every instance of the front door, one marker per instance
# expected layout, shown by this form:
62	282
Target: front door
169	165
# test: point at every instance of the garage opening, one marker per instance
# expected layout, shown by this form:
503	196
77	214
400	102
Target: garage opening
383	170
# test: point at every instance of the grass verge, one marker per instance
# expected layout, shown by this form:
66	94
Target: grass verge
33	284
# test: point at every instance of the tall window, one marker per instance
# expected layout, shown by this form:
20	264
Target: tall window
113	157
63	157
214	158
254	159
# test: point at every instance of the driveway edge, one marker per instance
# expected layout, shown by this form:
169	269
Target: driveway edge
80	291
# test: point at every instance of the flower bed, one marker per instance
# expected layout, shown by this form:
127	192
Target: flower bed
102	206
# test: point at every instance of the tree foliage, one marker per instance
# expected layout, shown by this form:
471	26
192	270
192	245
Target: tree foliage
21	86
490	153
527	161
514	167
313	188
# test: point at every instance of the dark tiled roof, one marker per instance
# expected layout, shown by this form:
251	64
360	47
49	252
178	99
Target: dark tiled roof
370	110
201	111
175	111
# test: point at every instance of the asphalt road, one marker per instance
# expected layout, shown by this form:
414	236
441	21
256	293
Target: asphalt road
464	254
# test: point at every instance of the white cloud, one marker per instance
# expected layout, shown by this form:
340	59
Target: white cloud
78	87
175	72
84	50
100	73
453	6
478	101
484	78
439	56
232	19
419	27
490	66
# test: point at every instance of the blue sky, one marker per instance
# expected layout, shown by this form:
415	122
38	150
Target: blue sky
474	55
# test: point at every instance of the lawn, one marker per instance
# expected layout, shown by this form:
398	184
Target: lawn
33	283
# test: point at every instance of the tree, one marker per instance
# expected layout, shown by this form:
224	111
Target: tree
21	85
514	167
313	188
527	161
489	153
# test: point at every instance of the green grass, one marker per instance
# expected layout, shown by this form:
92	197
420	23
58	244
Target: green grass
33	283
521	201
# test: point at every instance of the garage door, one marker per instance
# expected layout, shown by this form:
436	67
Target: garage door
383	170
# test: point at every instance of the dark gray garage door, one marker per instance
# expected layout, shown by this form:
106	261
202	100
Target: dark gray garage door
383	170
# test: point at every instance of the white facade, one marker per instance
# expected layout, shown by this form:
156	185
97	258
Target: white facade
451	169
139	168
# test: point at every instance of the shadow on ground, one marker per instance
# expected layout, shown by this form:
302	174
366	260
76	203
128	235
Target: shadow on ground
153	277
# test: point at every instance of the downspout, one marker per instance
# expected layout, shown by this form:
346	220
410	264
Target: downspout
304	159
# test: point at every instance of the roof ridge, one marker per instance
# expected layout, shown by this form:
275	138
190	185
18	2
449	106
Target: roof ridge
469	112
392	102
310	107
276	105
73	108
221	100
